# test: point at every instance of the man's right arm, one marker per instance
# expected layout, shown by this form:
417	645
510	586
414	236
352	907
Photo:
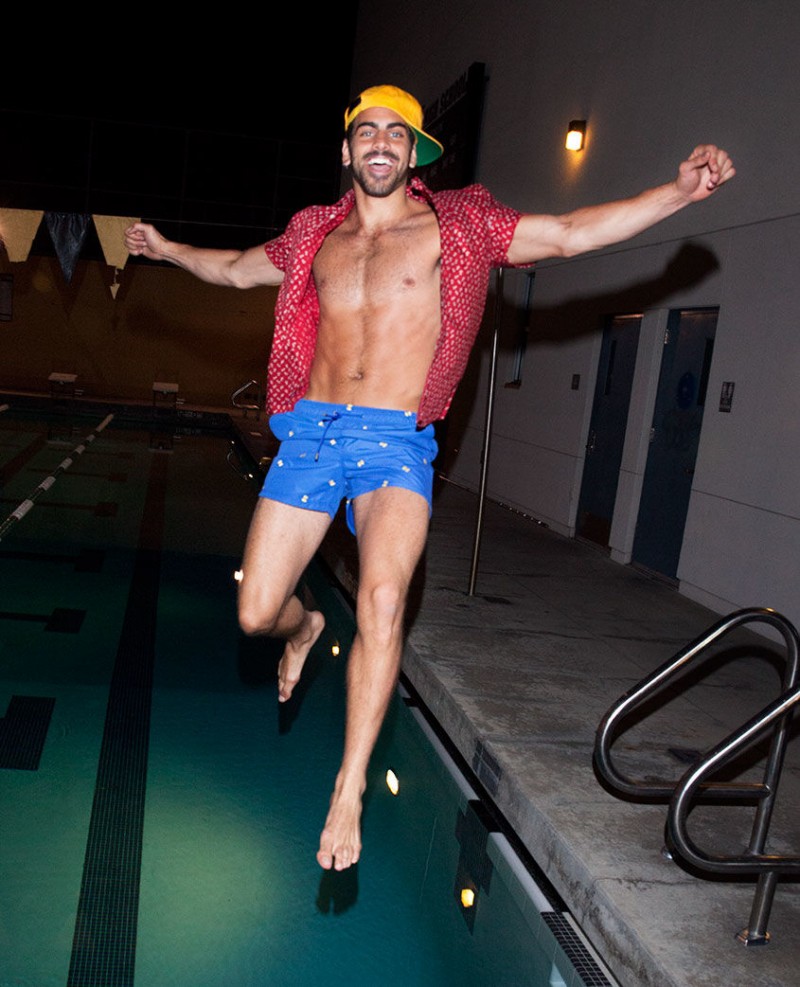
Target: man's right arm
235	268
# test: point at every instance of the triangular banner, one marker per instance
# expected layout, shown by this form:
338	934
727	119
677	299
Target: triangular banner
68	231
18	227
111	233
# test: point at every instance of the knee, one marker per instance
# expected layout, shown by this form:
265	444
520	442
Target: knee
381	605
256	616
253	624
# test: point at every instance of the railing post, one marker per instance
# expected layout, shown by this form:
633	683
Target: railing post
487	431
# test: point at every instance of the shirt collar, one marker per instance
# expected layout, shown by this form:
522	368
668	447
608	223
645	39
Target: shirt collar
417	189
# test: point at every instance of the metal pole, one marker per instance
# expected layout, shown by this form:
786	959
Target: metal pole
487	435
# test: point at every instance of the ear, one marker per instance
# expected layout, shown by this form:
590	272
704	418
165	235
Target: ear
346	153
412	161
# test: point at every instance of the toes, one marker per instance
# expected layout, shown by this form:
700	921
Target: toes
285	689
330	857
325	853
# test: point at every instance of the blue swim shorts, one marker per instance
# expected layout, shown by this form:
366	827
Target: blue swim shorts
333	451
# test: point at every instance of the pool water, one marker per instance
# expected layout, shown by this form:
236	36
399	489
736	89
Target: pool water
159	810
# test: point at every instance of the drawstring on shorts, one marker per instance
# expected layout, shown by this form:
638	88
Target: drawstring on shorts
329	420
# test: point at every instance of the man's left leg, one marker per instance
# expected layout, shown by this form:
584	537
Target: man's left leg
391	528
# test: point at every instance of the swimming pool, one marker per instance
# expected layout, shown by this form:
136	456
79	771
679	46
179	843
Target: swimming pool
159	811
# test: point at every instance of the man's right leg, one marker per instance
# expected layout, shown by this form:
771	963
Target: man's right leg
281	542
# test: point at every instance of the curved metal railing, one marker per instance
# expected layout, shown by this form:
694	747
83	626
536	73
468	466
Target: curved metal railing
255	405
234	459
693	786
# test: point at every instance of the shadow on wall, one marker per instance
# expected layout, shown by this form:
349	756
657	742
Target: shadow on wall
690	266
582	316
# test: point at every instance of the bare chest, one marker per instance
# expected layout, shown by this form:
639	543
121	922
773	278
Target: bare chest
353	269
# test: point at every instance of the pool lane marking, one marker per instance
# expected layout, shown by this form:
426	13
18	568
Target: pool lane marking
22	509
14	465
23	731
87	559
104	943
103	508
61	619
110	477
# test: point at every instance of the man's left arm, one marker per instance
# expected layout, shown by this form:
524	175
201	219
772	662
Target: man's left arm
593	227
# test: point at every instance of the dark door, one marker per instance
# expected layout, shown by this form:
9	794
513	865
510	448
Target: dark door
674	439
612	397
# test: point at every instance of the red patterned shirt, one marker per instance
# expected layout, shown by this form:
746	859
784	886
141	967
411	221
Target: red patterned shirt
475	232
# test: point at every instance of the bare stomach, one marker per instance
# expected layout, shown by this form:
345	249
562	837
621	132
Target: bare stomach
373	369
369	390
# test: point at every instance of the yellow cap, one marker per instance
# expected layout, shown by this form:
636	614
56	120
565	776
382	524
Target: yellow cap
406	107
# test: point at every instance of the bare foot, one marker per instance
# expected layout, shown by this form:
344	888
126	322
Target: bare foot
295	653
340	843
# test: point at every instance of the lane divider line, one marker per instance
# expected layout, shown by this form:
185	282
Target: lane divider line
22	509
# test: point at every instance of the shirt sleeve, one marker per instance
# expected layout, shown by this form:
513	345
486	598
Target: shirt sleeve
277	250
500	224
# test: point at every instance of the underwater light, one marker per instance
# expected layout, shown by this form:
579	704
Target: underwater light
392	782
467	897
238	575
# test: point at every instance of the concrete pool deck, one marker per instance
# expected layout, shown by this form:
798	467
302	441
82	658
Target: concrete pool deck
526	668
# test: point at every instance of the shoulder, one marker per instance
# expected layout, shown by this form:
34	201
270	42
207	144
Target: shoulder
312	217
474	205
305	226
476	217
471	195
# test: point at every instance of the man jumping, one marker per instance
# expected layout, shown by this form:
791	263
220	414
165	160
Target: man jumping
380	302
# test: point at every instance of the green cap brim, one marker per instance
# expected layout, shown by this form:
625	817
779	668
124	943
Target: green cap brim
428	148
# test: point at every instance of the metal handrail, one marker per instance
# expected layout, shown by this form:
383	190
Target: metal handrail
754	861
247	407
657	679
692	787
234	459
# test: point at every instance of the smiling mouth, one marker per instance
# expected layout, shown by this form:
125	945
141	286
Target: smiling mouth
381	160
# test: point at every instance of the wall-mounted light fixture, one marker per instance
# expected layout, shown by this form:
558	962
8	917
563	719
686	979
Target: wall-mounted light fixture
576	135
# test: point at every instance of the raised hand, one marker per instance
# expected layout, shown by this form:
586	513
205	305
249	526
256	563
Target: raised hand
706	168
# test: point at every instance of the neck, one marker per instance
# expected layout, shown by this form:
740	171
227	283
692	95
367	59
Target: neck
378	211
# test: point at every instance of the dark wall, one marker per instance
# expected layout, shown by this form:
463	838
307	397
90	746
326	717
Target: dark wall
163	323
201	186
217	132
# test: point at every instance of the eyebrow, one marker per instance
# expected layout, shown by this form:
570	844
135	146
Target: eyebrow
388	126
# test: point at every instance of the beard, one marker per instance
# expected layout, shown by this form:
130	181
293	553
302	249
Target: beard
379	186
